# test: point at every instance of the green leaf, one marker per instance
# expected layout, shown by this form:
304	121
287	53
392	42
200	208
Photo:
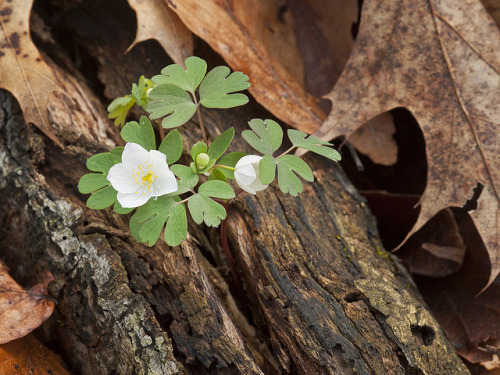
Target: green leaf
91	182
197	149
217	88
287	180
266	135
216	189
267	169
204	209
220	144
102	162
121	210
217	174
119	108
116	154
230	160
148	221
176	228
313	144
102	198
172	146
173	102
188	178
188	79
139	91
141	133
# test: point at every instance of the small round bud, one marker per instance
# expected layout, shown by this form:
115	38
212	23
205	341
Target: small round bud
202	160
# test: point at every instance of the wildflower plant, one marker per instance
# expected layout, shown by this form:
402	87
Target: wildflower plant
149	179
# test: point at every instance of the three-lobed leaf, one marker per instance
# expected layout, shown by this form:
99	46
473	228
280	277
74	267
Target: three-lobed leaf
311	143
173	102
266	135
205	209
188	79
149	220
288	167
267	169
140	132
188	179
218	88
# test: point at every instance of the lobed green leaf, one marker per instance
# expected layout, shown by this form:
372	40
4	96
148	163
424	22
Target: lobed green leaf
204	209
103	162
121	210
216	90
313	144
172	146
141	133
216	189
266	136
287	180
173	102
187	178
119	108
188	79
217	174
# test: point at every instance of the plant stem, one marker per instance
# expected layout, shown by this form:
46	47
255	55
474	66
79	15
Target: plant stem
200	121
287	151
160	130
224	166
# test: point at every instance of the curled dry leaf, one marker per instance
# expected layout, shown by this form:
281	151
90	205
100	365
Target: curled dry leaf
21	311
437	249
440	60
240	40
22	70
29	356
155	20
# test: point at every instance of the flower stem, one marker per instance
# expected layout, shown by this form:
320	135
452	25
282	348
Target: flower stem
224	166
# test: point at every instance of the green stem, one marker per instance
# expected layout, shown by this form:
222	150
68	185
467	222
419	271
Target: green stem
224	166
287	151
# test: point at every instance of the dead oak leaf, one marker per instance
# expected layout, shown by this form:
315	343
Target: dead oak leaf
21	311
22	70
242	42
439	59
155	20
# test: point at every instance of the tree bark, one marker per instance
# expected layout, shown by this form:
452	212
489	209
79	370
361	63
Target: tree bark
318	294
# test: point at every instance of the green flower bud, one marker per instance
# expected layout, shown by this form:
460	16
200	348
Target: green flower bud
202	160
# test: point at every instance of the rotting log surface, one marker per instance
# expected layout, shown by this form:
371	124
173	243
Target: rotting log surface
322	296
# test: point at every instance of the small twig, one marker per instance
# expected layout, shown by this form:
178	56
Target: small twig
202	127
287	151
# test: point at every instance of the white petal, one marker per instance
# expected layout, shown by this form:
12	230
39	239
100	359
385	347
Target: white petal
158	158
165	183
129	200
134	155
245	174
248	159
121	179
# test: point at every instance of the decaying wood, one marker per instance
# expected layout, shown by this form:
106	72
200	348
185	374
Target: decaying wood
322	296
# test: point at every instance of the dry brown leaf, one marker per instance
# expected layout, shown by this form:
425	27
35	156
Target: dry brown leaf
29	356
21	311
242	44
440	60
22	70
155	20
471	322
375	139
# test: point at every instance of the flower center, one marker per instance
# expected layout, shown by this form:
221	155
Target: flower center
148	178
144	176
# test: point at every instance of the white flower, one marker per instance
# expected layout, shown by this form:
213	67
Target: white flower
247	174
141	175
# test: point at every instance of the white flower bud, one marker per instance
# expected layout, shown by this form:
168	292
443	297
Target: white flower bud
247	174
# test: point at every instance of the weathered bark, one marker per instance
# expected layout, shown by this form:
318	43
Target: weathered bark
321	295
